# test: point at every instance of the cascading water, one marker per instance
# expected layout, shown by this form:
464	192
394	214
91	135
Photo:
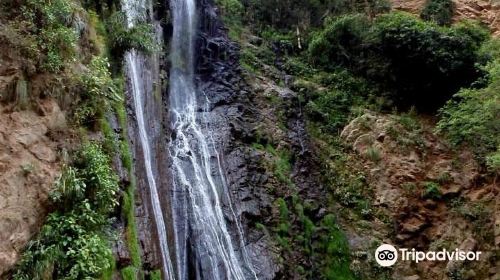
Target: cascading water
204	246
139	76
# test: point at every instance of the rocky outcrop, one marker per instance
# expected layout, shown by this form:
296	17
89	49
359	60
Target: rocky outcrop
230	113
435	196
30	150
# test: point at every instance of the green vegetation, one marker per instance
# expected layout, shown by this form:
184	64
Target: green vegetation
334	244
128	203
155	275
438	11
432	190
414	63
322	241
471	117
129	273
347	57
49	23
287	15
232	11
79	53
281	163
284	224
27	168
339	102
121	39
73	243
98	91
479	215
373	154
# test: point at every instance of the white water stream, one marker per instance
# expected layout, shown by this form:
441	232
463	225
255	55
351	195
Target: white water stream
199	183
135	64
204	247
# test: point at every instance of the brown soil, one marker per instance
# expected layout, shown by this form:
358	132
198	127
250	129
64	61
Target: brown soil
462	213
32	138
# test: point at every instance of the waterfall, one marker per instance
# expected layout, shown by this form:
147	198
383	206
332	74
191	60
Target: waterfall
139	75
201	233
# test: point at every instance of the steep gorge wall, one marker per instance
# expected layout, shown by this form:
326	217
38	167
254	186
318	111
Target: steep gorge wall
220	79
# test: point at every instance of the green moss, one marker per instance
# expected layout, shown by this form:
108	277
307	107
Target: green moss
110	144
108	273
131	228
129	273
128	206
336	251
124	147
155	275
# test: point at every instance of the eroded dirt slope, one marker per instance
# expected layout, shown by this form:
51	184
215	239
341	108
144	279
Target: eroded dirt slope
31	134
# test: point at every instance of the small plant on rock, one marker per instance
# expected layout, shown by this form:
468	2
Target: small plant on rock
432	190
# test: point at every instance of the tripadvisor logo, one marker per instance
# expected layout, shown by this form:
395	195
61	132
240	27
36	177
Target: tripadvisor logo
388	255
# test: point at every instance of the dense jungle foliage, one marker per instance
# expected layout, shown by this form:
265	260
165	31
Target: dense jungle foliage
362	55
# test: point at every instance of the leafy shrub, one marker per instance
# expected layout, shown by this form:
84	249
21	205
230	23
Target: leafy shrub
418	63
98	91
286	15
472	115
97	81
97	173
493	161
102	7
438	11
141	37
72	244
427	63
50	24
331	108
340	41
64	249
432	190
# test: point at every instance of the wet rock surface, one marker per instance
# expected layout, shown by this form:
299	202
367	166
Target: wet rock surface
155	120
228	117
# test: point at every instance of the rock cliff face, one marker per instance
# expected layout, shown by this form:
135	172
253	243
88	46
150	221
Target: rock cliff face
29	163
433	196
155	120
32	136
486	11
230	111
